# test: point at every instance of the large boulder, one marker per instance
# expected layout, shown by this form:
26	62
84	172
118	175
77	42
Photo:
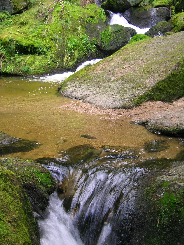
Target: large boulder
159	29
144	18
14	6
119	5
113	38
117	81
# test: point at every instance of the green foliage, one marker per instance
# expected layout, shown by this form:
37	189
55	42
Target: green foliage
52	32
137	38
4	15
178	22
106	36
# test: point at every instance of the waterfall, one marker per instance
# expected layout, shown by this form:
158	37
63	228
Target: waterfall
63	76
119	19
58	227
96	206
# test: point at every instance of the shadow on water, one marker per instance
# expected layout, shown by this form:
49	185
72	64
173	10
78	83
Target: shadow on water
9	144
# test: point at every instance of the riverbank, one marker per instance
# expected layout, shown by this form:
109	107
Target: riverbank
157	116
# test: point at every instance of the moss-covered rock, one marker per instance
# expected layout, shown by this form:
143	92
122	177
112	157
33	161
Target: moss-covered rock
17	224
164	217
113	37
36	180
51	36
176	5
146	17
119	5
119	80
169	89
159	29
16	6
178	22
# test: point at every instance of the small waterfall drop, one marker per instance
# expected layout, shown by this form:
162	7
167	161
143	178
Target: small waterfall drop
119	19
96	209
65	75
58	227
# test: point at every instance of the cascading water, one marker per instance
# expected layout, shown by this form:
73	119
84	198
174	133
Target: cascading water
119	19
63	76
96	204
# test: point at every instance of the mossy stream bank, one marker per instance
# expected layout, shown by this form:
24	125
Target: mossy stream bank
25	186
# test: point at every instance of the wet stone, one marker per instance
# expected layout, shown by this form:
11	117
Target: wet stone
156	146
9	144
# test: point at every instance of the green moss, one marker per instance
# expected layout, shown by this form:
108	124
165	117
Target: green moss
137	38
167	90
17	224
178	22
157	3
175	5
165	218
29	171
37	181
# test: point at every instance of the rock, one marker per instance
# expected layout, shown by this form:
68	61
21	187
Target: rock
146	18
113	38
116	81
36	180
118	6
18	224
166	123
69	43
163	207
6	6
159	29
14	6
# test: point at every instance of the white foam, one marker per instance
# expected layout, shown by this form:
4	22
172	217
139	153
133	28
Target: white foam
58	228
61	77
119	19
56	77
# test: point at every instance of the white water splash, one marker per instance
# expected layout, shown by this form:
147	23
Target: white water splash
63	76
58	228
119	19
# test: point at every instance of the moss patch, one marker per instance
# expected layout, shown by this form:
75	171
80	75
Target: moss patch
178	22
165	218
37	181
17	224
167	90
137	38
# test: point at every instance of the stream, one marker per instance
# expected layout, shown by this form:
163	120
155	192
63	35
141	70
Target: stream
97	203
